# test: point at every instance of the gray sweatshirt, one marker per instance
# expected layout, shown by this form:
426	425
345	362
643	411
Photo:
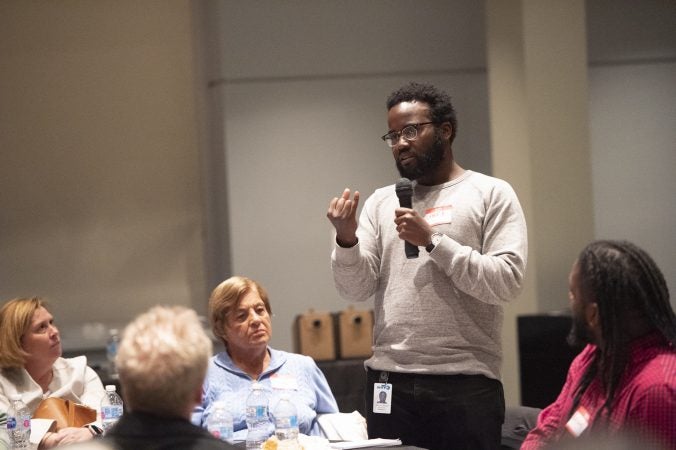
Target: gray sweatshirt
442	312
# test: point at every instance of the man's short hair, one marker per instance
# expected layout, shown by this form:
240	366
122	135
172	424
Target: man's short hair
441	107
162	360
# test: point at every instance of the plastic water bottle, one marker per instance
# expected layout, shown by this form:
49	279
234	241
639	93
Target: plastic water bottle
219	422
111	408
257	419
111	351
18	423
286	423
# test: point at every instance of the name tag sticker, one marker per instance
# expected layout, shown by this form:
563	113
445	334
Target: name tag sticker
439	215
578	422
382	398
284	382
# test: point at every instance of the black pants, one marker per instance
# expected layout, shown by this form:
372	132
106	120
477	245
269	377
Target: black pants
439	411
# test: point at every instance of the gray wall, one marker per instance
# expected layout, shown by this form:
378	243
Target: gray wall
100	201
149	149
632	78
633	136
288	107
302	121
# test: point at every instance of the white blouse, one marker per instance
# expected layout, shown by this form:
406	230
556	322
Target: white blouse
73	380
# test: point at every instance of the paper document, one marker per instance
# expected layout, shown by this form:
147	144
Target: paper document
367	443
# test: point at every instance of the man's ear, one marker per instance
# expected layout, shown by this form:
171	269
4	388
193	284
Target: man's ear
446	130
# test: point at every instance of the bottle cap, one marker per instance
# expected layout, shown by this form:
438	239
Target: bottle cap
14	397
110	388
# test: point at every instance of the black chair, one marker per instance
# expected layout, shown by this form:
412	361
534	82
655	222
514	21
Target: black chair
347	379
519	420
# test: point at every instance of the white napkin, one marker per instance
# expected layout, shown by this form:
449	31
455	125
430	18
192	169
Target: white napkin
379	442
343	426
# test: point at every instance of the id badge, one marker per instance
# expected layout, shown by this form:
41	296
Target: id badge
382	398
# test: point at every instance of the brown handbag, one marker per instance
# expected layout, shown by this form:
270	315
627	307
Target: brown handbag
65	412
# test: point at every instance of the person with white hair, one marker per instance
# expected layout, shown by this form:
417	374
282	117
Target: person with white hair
162	360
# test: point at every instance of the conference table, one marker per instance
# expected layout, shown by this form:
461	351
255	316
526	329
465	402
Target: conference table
242	444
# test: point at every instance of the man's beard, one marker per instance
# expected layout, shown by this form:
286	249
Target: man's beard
579	333
426	162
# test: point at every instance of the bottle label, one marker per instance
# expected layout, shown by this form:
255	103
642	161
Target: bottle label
111	348
222	433
287	422
11	423
111	412
261	412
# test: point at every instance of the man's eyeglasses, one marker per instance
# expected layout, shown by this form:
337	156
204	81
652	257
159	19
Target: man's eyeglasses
409	132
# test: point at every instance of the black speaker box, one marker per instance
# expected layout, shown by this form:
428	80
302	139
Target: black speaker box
544	357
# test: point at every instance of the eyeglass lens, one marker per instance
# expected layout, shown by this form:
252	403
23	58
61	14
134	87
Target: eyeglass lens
409	133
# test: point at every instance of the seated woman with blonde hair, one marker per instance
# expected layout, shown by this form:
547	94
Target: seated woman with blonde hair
239	310
31	366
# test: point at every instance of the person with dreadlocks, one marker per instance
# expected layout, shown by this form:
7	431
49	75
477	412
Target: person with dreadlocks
624	380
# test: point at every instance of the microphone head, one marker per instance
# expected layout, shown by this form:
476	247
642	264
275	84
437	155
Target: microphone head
404	188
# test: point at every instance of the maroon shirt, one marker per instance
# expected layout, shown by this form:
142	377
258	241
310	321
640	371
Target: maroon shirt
645	399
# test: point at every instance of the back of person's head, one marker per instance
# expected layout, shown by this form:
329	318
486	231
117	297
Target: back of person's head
627	286
162	360
441	107
15	320
225	297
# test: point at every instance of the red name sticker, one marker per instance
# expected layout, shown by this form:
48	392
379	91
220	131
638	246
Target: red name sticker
578	422
439	215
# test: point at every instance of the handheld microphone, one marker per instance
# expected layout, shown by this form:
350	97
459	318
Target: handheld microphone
404	190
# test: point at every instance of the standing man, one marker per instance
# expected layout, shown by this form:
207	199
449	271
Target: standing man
624	381
438	317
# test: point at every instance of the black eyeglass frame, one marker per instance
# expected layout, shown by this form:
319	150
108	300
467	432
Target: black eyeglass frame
394	136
